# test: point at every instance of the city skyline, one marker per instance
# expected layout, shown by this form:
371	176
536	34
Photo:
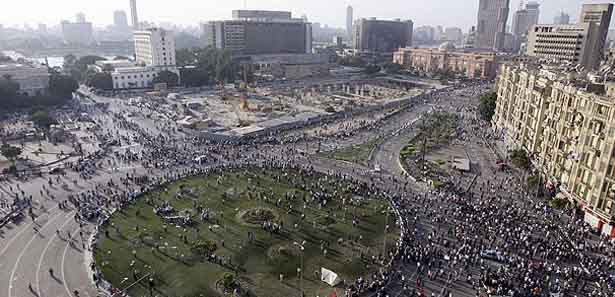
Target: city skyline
189	12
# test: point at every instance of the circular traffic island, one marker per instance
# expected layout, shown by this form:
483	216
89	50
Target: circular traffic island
252	232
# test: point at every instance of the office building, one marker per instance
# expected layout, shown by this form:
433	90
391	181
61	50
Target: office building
155	47
448	59
133	13
424	35
491	25
120	20
382	36
349	21
600	15
572	43
77	33
154	52
261	15
453	34
32	80
525	18
582	43
565	123
255	37
562	19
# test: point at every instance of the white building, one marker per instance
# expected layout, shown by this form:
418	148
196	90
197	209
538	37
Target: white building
154	51
32	80
135	77
155	47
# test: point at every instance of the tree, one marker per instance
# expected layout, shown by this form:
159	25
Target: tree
372	69
168	77
62	85
101	81
520	159
203	248
10	152
392	68
487	105
77	67
42	119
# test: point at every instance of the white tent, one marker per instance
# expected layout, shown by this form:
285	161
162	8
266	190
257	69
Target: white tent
329	277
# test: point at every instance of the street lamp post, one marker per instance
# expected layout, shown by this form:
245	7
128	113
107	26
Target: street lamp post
302	248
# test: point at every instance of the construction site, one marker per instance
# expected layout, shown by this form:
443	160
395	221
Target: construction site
235	113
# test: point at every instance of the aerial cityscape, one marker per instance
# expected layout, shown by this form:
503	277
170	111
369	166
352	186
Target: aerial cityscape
313	149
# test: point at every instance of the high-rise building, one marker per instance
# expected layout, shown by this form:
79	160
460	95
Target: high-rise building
572	43
254	36
453	34
120	20
80	17
491	25
349	20
261	15
77	33
155	47
599	14
382	36
525	18
582	43
562	19
564	122
133	13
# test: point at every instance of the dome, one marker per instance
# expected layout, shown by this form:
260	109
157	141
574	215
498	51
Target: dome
447	46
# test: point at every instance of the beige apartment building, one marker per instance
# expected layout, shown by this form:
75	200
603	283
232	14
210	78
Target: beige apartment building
567	125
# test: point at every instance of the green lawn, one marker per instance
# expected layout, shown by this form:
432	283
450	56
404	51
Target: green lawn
178	271
356	154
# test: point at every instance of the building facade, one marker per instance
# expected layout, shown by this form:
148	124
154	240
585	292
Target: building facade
382	36
77	33
562	19
244	38
32	80
600	15
525	18
473	64
155	47
134	15
136	77
261	15
566	123
572	43
120	20
349	21
491	25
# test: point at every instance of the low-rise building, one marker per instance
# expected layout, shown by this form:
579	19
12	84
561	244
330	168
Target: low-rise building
446	58
291	66
566	123
136	77
32	80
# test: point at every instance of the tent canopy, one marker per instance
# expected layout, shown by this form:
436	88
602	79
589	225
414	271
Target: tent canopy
329	277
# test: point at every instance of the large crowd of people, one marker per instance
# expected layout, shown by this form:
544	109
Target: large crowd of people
494	239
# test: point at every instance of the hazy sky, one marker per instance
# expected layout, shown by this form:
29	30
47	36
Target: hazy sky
461	13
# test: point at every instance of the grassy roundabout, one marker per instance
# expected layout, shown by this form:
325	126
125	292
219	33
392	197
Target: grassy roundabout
359	153
239	203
